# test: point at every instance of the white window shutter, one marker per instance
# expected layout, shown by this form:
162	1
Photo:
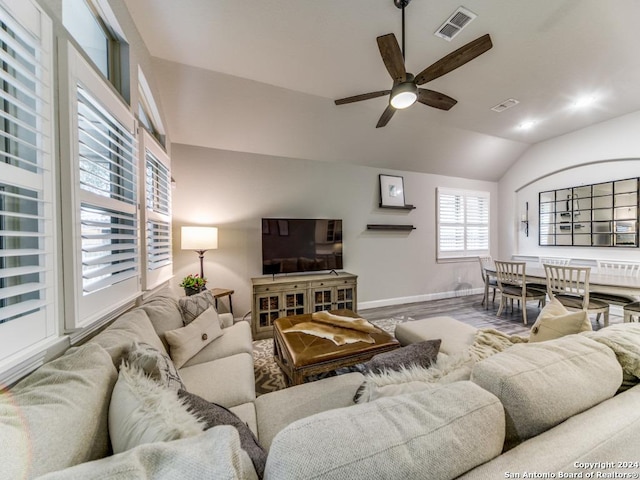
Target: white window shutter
157	212
105	168
463	223
27	245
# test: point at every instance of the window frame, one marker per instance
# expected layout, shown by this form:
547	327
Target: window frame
24	340
88	309
465	253
152	278
117	61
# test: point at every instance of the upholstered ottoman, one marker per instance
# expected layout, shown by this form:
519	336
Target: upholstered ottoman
456	336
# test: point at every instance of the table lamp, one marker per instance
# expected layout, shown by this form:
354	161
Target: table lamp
199	239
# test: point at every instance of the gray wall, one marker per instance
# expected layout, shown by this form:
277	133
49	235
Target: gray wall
233	191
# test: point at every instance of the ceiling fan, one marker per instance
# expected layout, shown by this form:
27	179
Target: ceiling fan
405	91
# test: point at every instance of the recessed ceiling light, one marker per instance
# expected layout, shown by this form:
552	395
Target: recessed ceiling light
526	125
585	101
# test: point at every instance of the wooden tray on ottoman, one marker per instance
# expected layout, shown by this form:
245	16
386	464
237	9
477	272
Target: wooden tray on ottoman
300	354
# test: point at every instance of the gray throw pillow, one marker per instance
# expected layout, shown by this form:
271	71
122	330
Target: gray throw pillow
214	415
421	354
156	364
193	305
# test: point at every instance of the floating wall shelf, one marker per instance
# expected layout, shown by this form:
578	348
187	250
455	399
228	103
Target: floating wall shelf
398	207
403	228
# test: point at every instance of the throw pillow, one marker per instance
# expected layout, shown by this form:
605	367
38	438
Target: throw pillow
185	342
193	306
421	354
446	369
555	321
214	415
142	411
156	364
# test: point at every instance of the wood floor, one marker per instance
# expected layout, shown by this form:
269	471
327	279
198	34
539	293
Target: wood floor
468	309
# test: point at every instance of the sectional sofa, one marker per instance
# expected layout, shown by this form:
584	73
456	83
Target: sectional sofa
551	409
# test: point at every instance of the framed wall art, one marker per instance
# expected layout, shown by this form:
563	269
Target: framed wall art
391	191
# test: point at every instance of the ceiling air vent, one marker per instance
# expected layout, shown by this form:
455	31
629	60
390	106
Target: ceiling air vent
455	23
502	106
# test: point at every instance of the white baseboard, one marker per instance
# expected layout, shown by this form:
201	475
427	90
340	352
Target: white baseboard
418	298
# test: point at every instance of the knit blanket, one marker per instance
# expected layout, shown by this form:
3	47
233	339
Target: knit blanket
446	369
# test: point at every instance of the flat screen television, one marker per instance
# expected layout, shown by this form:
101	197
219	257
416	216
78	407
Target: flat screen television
301	245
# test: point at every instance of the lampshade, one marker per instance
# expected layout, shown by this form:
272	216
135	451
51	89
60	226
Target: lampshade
404	95
199	238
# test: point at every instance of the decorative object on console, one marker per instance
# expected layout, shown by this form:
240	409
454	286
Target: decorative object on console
199	239
193	284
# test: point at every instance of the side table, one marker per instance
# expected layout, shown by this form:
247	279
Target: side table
222	292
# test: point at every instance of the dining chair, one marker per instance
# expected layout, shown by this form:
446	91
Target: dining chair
554	261
487	281
624	269
570	285
621	269
632	312
512	283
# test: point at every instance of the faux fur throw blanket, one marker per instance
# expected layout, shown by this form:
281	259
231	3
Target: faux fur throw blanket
359	324
446	369
337	335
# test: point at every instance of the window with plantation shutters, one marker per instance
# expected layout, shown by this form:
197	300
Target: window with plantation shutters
157	212
104	150
463	223
27	244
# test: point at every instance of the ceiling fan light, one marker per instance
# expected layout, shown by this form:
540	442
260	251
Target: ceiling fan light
404	95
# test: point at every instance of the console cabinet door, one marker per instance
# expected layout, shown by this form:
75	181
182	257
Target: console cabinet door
273	302
333	295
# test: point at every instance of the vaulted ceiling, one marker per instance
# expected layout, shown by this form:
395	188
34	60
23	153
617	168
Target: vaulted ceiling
261	76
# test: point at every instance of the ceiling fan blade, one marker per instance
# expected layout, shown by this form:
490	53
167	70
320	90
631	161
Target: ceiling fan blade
392	57
386	116
364	96
455	59
435	99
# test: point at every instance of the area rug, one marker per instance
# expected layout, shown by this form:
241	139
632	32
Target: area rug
270	378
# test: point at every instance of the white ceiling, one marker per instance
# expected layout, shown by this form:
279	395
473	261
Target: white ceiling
546	54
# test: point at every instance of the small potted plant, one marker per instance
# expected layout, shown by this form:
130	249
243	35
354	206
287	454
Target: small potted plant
193	284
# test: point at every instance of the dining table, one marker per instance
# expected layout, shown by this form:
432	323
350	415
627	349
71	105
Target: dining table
622	285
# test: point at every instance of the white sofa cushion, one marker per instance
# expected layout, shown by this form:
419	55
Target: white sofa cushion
542	384
439	433
608	432
119	336
57	416
164	313
303	401
212	454
227	381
